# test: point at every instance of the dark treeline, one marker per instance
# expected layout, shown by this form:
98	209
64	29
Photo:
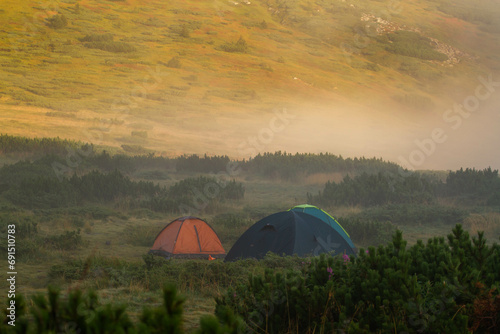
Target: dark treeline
40	146
34	185
129	164
193	195
35	190
288	166
280	165
184	163
376	189
284	165
472	182
269	165
205	164
472	186
369	182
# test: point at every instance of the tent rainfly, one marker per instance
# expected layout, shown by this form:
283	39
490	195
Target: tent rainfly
288	233
188	237
327	218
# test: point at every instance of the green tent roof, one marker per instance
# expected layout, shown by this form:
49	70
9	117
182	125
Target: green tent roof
326	217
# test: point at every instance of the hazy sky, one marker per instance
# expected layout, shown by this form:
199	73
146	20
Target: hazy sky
450	138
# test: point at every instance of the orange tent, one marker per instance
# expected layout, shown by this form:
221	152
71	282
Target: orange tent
188	237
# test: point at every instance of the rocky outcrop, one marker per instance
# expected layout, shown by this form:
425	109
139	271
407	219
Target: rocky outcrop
380	26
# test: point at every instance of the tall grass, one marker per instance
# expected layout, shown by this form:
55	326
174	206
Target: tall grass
488	222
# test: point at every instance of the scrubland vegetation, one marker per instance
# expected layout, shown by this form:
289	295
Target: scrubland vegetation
88	233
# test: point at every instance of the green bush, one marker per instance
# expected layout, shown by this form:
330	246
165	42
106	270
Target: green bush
29	245
174	62
266	67
35	185
441	286
436	287
201	194
57	21
412	44
472	183
83	313
200	276
69	240
31	250
377	189
184	31
26	226
69	271
469	185
111	46
97	38
105	42
238	46
99	272
208	277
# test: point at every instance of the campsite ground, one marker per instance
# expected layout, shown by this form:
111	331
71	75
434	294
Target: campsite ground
113	246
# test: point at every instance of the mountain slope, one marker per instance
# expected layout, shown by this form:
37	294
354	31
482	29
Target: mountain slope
206	76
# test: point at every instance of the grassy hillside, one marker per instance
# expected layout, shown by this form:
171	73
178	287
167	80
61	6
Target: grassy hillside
164	75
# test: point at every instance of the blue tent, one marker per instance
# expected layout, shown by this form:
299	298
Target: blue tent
324	216
289	232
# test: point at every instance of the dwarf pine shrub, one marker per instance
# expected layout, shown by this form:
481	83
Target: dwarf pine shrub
57	21
412	44
105	42
83	313
238	46
435	287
